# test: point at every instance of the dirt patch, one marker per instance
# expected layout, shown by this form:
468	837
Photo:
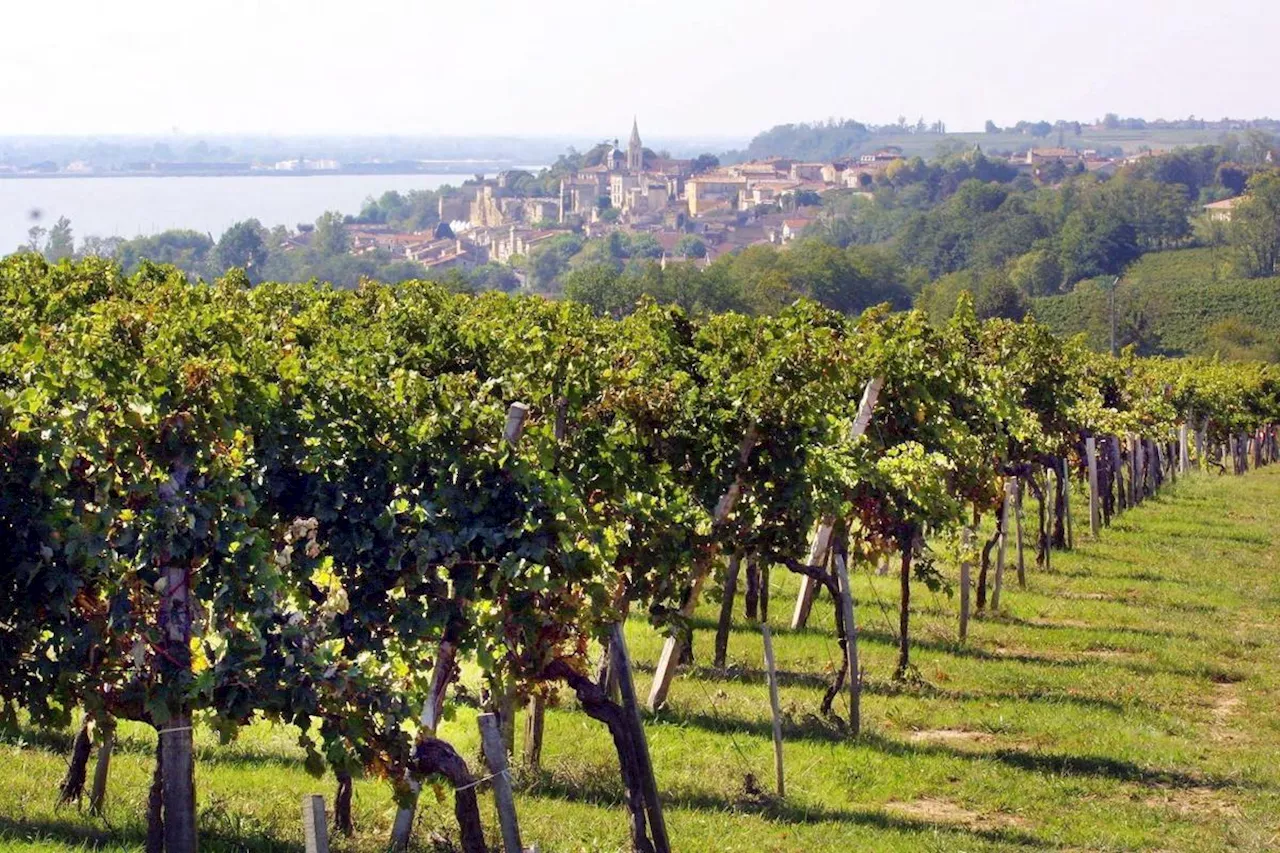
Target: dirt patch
935	810
1090	596
1105	654
1195	801
949	736
1059	623
1225	703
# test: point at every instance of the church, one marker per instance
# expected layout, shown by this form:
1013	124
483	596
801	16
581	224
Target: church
638	186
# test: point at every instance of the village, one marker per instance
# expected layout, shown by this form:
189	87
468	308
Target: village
726	208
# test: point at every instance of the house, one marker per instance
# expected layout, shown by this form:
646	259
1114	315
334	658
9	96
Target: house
1220	211
704	191
517	241
808	172
794	226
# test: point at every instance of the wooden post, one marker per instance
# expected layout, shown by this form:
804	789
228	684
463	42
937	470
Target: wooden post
1184	450
402	826
1117	475
517	417
495	756
1139	469
315	831
1004	539
630	707
1066	504
772	672
966	569
534	722
98	794
1154	473
673	647
804	599
1095	499
817	554
853	673
1017	518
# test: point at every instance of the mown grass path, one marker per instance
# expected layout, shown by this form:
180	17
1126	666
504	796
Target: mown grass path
1129	699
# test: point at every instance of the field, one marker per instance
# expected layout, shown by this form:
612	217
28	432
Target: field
1178	294
1129	141
1124	700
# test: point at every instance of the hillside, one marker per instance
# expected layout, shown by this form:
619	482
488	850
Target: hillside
1124	700
1175	302
823	142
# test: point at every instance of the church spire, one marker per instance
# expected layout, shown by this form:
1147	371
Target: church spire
635	150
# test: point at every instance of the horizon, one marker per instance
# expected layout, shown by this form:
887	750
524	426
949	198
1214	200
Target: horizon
696	73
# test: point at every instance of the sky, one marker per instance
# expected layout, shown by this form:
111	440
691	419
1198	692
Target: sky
722	68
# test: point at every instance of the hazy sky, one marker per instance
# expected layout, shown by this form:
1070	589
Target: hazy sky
685	67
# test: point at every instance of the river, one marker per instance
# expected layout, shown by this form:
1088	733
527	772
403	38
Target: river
129	207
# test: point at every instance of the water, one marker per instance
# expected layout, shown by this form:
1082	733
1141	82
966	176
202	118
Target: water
129	207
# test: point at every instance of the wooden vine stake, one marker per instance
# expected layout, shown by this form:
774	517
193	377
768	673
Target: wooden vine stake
442	674
673	647
621	664
772	671
315	832
1066	503
1117	474
517	416
1017	518
495	756
966	582
808	586
1006	511
1135	471
817	556
1095	499
853	673
1184	450
98	793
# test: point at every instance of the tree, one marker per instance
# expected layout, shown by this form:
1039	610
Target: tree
1036	273
61	242
1096	243
690	246
100	247
243	245
990	127
1232	178
601	287
645	245
189	251
1255	226
705	163
998	297
35	238
330	235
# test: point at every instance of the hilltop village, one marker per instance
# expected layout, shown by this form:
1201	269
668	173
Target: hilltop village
693	210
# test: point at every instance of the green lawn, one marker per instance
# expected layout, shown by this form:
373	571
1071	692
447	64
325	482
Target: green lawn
1127	700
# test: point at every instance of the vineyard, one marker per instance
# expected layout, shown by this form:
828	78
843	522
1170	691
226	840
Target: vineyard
365	513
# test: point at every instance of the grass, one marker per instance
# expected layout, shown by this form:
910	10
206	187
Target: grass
1124	701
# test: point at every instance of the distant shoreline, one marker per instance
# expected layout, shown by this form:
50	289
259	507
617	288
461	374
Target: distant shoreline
478	168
